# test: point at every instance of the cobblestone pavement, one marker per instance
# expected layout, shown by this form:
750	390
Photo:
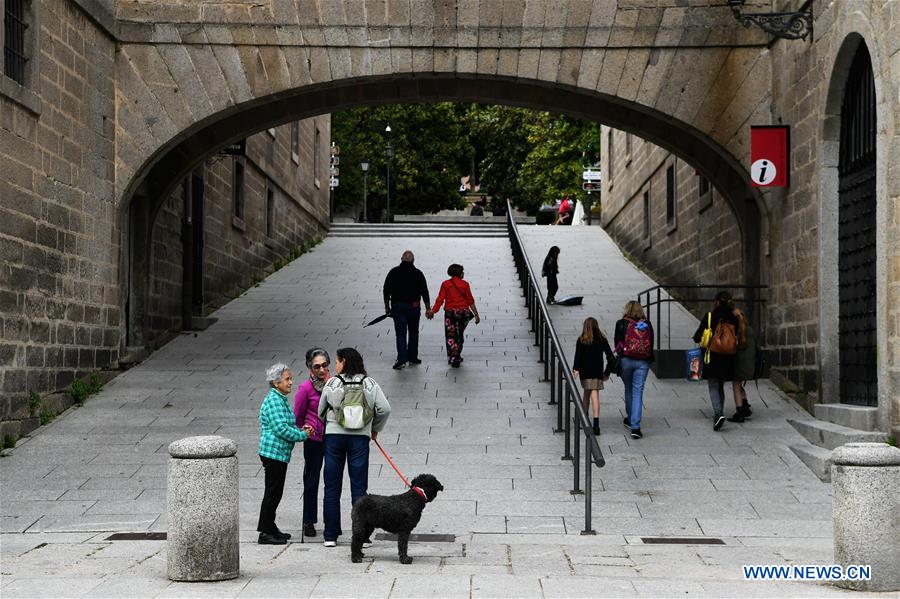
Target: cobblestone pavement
485	430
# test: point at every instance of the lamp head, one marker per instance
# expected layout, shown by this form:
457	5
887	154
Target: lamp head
364	165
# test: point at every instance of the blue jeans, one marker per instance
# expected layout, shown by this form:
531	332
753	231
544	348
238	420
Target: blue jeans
716	396
354	449
313	452
634	375
406	322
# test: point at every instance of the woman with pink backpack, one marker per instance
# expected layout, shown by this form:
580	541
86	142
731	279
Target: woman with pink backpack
634	348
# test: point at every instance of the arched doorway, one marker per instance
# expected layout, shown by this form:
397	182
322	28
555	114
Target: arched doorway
857	226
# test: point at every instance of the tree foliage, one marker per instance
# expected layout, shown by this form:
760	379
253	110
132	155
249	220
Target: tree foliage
430	143
527	157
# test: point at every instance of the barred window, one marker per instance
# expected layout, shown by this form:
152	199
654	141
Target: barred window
647	216
270	211
15	29
237	189
670	194
295	141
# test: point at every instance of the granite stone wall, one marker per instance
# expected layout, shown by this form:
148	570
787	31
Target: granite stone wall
700	245
60	277
63	283
238	250
800	251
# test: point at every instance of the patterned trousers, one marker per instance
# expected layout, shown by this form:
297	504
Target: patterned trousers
455	322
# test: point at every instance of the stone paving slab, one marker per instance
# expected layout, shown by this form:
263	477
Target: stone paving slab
485	430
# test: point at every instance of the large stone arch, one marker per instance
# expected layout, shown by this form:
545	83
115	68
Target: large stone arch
855	31
689	79
156	179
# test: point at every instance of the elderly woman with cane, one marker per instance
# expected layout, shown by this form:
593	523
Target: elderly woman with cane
277	435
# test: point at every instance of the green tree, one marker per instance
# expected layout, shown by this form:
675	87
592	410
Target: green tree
530	157
554	164
429	142
500	141
527	157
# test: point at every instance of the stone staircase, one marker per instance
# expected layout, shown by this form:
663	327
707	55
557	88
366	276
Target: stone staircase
419	229
833	426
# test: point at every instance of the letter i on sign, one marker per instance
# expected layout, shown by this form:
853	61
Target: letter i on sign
770	158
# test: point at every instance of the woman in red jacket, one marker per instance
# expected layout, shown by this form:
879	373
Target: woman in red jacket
459	309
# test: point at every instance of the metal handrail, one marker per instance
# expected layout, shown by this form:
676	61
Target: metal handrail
563	391
756	301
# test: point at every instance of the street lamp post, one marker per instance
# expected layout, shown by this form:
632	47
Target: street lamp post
364	165
389	153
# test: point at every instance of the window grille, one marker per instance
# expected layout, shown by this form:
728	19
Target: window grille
670	193
237	191
15	26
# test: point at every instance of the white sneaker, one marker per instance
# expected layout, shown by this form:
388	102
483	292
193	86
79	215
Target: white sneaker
331	543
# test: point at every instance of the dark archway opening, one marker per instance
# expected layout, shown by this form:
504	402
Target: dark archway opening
857	228
156	180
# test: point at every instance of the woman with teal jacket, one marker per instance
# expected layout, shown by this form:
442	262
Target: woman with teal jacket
277	435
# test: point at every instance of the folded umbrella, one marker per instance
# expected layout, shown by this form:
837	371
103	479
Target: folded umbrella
377	320
573	300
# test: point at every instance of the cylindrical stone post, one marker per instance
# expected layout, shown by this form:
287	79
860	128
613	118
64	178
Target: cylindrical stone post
866	482
203	541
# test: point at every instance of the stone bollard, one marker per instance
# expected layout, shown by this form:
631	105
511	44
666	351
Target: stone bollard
202	509
866	482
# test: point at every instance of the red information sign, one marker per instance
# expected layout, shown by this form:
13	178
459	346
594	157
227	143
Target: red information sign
770	156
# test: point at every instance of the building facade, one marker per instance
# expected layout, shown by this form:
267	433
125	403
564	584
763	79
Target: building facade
61	235
831	241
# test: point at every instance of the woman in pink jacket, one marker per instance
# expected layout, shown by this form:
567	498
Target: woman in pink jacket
306	412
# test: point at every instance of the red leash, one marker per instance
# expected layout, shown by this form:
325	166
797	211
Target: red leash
403	478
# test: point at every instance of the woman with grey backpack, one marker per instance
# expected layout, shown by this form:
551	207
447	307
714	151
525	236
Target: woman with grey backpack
354	409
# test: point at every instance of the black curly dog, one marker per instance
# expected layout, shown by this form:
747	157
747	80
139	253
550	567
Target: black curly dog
398	514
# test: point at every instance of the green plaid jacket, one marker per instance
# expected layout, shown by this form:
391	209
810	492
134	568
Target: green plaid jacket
277	428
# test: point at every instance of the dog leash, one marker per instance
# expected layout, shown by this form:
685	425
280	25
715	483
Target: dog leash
403	478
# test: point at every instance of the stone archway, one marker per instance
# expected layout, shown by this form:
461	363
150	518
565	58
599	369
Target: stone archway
156	179
852	41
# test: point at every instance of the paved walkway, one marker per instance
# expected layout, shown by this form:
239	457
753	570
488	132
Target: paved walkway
484	430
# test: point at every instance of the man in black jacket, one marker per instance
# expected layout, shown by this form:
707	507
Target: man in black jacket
404	288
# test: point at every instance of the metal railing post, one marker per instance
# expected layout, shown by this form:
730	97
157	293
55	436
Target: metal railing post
559	404
563	388
567	423
658	340
544	352
553	382
560	398
576	463
588	490
669	324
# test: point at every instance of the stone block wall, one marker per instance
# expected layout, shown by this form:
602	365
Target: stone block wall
59	281
800	246
700	246
237	250
807	93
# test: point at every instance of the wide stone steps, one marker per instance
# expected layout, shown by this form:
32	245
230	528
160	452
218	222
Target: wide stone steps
864	418
817	459
824	436
830	435
473	230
